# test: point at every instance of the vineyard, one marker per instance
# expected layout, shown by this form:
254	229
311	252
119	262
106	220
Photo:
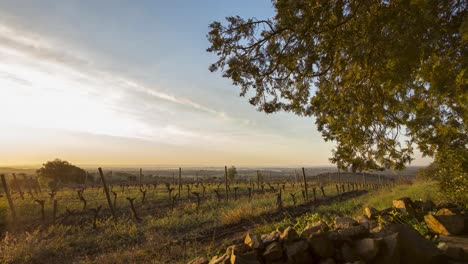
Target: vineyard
191	208
82	203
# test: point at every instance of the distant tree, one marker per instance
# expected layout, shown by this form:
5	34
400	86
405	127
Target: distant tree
62	171
232	173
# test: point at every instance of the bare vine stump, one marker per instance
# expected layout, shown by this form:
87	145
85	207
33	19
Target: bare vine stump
41	203
197	195
132	207
323	191
279	202
52	194
95	215
235	193
170	190
204	190
293	196
82	199
115	199
315	196
143	192
217	195
54	212
174	199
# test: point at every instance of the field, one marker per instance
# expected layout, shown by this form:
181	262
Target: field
154	223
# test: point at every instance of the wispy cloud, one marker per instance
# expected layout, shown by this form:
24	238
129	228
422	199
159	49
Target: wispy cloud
70	83
46	50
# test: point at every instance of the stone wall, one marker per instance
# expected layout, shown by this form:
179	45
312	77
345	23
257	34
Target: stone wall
374	237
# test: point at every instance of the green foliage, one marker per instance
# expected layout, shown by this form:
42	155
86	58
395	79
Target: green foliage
421	227
372	73
452	173
62	171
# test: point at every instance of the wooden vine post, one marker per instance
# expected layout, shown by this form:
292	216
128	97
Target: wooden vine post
18	187
305	184
139	178
226	182
258	180
107	193
180	180
10	201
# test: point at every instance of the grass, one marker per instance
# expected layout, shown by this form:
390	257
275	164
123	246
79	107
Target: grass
174	236
379	199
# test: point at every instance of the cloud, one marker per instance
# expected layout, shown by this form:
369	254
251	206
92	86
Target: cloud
45	50
63	89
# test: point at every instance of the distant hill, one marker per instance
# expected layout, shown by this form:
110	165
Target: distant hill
9	170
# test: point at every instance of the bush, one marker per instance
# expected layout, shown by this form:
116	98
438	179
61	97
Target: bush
62	171
452	173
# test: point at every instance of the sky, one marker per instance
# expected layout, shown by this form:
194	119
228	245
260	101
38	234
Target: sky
127	83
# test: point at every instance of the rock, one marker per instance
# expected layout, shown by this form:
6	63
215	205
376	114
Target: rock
447	211
404	206
348	254
321	245
237	249
453	252
273	252
269	238
367	223
455	247
386	220
224	259
366	248
445	205
448	225
298	252
386	211
199	260
418	205
389	252
253	240
428	206
353	232
345	222
289	235
327	261
372	224
361	218
414	248
371	212
244	258
314	228
376	230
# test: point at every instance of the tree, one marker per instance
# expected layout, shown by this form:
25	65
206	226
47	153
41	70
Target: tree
231	173
63	171
379	77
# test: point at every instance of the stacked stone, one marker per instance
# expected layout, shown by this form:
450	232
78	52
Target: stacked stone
374	237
